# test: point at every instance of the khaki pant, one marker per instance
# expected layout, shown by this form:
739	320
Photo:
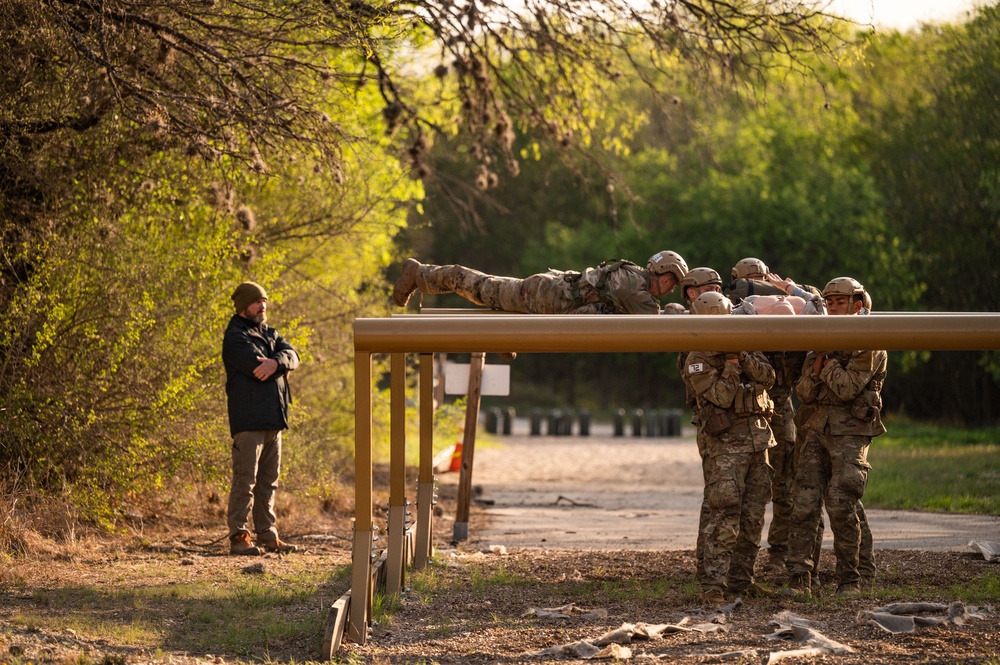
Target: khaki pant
738	486
782	460
544	293
256	464
832	471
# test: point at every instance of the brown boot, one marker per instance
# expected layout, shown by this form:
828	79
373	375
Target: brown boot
713	596
241	545
407	282
774	563
752	590
278	546
799	586
849	589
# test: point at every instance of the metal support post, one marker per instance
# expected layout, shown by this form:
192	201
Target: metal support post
397	475
361	587
461	530
361	573
425	488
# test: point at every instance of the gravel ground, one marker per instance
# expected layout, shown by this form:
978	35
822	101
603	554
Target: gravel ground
602	527
607	526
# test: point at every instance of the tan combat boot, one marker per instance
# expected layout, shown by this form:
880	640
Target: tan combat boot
241	545
752	590
407	282
799	586
278	546
849	589
713	596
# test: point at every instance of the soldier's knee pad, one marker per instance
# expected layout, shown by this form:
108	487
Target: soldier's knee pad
852	481
724	495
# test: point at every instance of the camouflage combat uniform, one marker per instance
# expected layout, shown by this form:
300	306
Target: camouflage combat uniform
732	410
787	368
701	438
614	287
866	555
831	463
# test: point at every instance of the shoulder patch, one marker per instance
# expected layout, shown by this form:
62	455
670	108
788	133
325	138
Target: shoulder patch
696	368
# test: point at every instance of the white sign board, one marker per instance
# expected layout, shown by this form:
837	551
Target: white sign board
495	381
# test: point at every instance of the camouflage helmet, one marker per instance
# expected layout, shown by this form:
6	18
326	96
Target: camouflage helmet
712	303
868	301
748	268
843	286
701	277
667	261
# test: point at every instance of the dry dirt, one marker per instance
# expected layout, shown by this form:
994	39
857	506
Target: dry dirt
635	568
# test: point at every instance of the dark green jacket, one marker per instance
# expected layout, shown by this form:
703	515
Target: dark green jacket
256	405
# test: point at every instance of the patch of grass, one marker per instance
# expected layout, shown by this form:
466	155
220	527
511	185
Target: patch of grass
908	434
239	614
483	578
424	582
505	621
384	606
142	629
927	467
624	589
984	590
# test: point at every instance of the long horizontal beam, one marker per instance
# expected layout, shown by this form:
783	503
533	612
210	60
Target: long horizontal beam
569	333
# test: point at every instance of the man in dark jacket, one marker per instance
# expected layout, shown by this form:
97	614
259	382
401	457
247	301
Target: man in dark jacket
257	361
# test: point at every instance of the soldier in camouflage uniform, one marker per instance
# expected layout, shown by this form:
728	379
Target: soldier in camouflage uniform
752	277
749	277
749	268
614	287
697	281
700	280
787	368
843	390
732	408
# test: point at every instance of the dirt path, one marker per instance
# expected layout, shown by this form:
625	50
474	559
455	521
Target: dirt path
605	492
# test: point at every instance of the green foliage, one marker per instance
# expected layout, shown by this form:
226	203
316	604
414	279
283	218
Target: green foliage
112	375
934	142
877	160
929	132
92	376
119	245
780	182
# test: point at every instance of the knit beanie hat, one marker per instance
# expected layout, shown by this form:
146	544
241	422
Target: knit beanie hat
247	294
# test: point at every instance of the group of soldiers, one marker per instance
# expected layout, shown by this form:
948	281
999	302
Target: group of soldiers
755	445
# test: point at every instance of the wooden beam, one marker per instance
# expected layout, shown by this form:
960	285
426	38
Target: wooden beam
461	529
